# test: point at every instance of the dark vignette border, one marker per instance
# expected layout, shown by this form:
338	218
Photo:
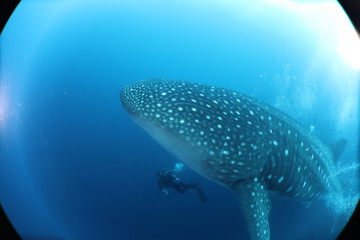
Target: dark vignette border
352	229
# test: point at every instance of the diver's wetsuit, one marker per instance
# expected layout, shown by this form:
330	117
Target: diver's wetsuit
168	179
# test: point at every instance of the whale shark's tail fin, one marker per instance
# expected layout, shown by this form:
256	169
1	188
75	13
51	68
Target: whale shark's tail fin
255	204
337	148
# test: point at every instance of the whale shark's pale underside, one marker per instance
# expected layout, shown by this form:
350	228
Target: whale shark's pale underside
237	141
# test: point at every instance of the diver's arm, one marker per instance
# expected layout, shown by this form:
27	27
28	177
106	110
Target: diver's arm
161	187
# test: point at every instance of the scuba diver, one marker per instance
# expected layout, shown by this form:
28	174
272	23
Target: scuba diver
168	179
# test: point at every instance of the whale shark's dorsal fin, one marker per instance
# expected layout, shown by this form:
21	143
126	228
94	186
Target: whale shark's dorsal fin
255	204
337	148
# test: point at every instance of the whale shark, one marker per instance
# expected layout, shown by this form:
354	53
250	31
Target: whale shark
237	141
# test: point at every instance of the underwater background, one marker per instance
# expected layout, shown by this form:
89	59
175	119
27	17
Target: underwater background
75	166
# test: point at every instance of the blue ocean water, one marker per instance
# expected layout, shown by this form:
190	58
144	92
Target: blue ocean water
75	166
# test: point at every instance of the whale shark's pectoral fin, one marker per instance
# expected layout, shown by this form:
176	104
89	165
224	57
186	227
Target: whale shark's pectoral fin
255	205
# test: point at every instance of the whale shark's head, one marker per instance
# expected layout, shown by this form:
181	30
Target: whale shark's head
166	110
195	122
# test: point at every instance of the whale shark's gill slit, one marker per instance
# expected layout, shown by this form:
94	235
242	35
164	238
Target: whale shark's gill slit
221	152
225	149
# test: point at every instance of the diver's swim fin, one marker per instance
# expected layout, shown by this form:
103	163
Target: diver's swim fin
202	195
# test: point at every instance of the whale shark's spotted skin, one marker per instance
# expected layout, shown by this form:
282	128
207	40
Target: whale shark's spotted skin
235	140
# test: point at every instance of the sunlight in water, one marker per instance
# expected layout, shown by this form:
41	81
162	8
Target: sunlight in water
4	105
317	14
349	48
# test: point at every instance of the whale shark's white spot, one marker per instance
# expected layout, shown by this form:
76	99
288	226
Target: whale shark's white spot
280	179
286	152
